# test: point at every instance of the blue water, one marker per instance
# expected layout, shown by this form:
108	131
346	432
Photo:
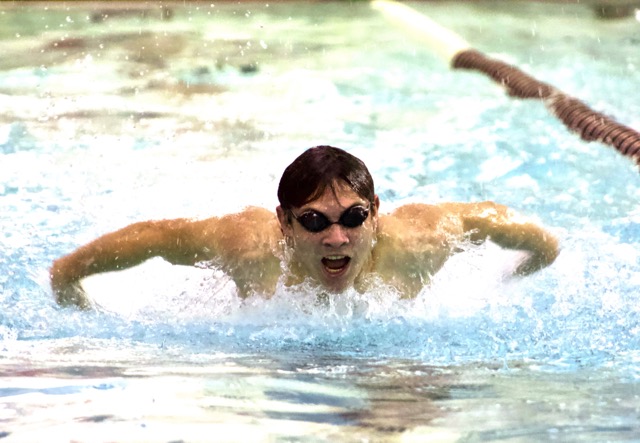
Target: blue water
148	118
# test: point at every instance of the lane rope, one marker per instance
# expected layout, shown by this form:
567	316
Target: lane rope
577	116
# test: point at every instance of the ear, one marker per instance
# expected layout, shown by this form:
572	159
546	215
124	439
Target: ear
376	205
285	225
375	211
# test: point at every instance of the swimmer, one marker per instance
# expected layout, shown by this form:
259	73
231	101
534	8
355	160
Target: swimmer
327	230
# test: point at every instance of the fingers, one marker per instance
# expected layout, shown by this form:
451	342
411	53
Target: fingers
72	295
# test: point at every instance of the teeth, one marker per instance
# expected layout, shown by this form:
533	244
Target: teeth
335	264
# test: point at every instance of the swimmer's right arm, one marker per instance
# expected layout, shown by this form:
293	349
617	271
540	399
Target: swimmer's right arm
243	243
127	247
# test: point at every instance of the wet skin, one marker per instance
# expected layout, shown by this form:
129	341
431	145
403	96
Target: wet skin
337	257
258	248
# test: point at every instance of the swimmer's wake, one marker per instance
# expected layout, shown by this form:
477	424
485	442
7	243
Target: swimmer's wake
575	114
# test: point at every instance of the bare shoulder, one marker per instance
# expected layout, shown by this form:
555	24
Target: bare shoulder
477	209
420	228
249	234
419	219
423	227
249	219
414	241
452	218
417	212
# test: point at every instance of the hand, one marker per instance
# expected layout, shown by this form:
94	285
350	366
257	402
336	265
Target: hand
529	262
67	292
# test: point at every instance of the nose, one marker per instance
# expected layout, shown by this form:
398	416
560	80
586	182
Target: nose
335	236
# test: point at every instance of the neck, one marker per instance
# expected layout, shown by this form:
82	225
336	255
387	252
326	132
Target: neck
362	281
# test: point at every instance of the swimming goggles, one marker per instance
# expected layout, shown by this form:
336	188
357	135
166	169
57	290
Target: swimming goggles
315	221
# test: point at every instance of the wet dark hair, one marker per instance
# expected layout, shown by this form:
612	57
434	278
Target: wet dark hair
317	168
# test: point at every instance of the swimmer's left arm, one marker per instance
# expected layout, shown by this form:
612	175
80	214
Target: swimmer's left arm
510	230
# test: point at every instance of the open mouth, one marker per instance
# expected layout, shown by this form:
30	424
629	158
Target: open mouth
336	264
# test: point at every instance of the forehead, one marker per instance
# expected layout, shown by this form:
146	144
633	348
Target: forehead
338	194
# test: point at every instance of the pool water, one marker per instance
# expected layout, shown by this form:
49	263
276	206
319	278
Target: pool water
111	116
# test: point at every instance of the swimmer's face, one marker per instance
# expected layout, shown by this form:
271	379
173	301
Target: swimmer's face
336	256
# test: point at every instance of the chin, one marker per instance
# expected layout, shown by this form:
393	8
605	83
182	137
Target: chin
337	286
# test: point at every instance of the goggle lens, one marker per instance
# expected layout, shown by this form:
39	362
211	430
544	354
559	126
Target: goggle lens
314	221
